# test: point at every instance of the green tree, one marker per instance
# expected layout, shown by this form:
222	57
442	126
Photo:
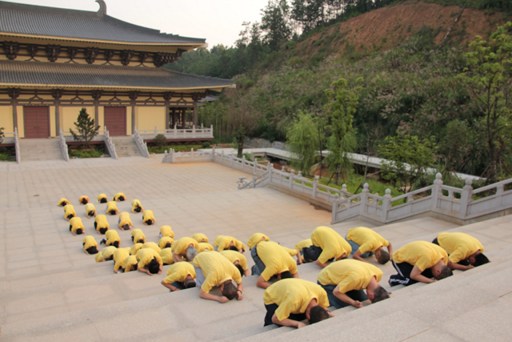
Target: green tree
456	146
303	139
341	106
86	129
275	23
488	76
407	159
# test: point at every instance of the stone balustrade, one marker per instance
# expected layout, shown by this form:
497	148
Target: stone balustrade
175	133
141	144
110	145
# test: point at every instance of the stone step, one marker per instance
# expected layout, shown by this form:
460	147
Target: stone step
40	149
125	147
109	299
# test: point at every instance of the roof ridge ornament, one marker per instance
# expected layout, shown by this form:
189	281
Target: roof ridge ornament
103	8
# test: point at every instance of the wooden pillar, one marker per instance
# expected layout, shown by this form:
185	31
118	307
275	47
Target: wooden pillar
167	98
57	94
96	95
14	94
133	101
194	114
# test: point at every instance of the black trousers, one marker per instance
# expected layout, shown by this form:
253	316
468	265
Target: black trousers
403	276
271	309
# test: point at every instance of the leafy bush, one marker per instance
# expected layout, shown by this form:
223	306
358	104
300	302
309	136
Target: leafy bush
160	140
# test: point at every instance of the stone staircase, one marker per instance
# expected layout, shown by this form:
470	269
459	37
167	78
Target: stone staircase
88	300
40	149
125	147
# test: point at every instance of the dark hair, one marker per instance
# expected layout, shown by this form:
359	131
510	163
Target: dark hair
91	213
168	244
317	314
112	212
241	269
115	243
188	283
103	230
445	273
153	266
103	200
233	248
84	200
141	240
70	216
383	257
286	274
149	222
79	231
137	209
311	253
229	290
480	259
380	294
92	250
120	198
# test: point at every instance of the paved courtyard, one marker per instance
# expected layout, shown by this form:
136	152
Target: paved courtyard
51	291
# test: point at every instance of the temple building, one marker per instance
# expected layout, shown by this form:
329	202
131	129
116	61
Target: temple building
53	62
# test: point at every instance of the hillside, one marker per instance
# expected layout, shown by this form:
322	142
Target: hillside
408	63
388	27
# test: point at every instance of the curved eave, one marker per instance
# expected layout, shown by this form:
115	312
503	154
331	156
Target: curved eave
114	87
91	42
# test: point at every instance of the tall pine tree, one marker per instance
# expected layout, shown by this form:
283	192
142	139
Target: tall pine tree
86	129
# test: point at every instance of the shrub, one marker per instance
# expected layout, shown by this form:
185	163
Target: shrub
160	140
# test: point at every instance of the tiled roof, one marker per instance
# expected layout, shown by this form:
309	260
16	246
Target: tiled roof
57	75
66	23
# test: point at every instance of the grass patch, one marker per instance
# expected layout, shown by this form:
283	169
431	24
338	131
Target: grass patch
6	157
96	151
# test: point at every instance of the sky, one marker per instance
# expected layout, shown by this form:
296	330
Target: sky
217	21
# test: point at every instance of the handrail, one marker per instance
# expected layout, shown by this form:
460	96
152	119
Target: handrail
173	133
110	144
458	203
141	144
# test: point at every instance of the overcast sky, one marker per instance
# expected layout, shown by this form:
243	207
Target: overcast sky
218	21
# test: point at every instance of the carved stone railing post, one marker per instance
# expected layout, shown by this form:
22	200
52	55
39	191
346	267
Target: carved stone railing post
465	198
17	145
364	200
63	146
436	191
386	205
315	185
